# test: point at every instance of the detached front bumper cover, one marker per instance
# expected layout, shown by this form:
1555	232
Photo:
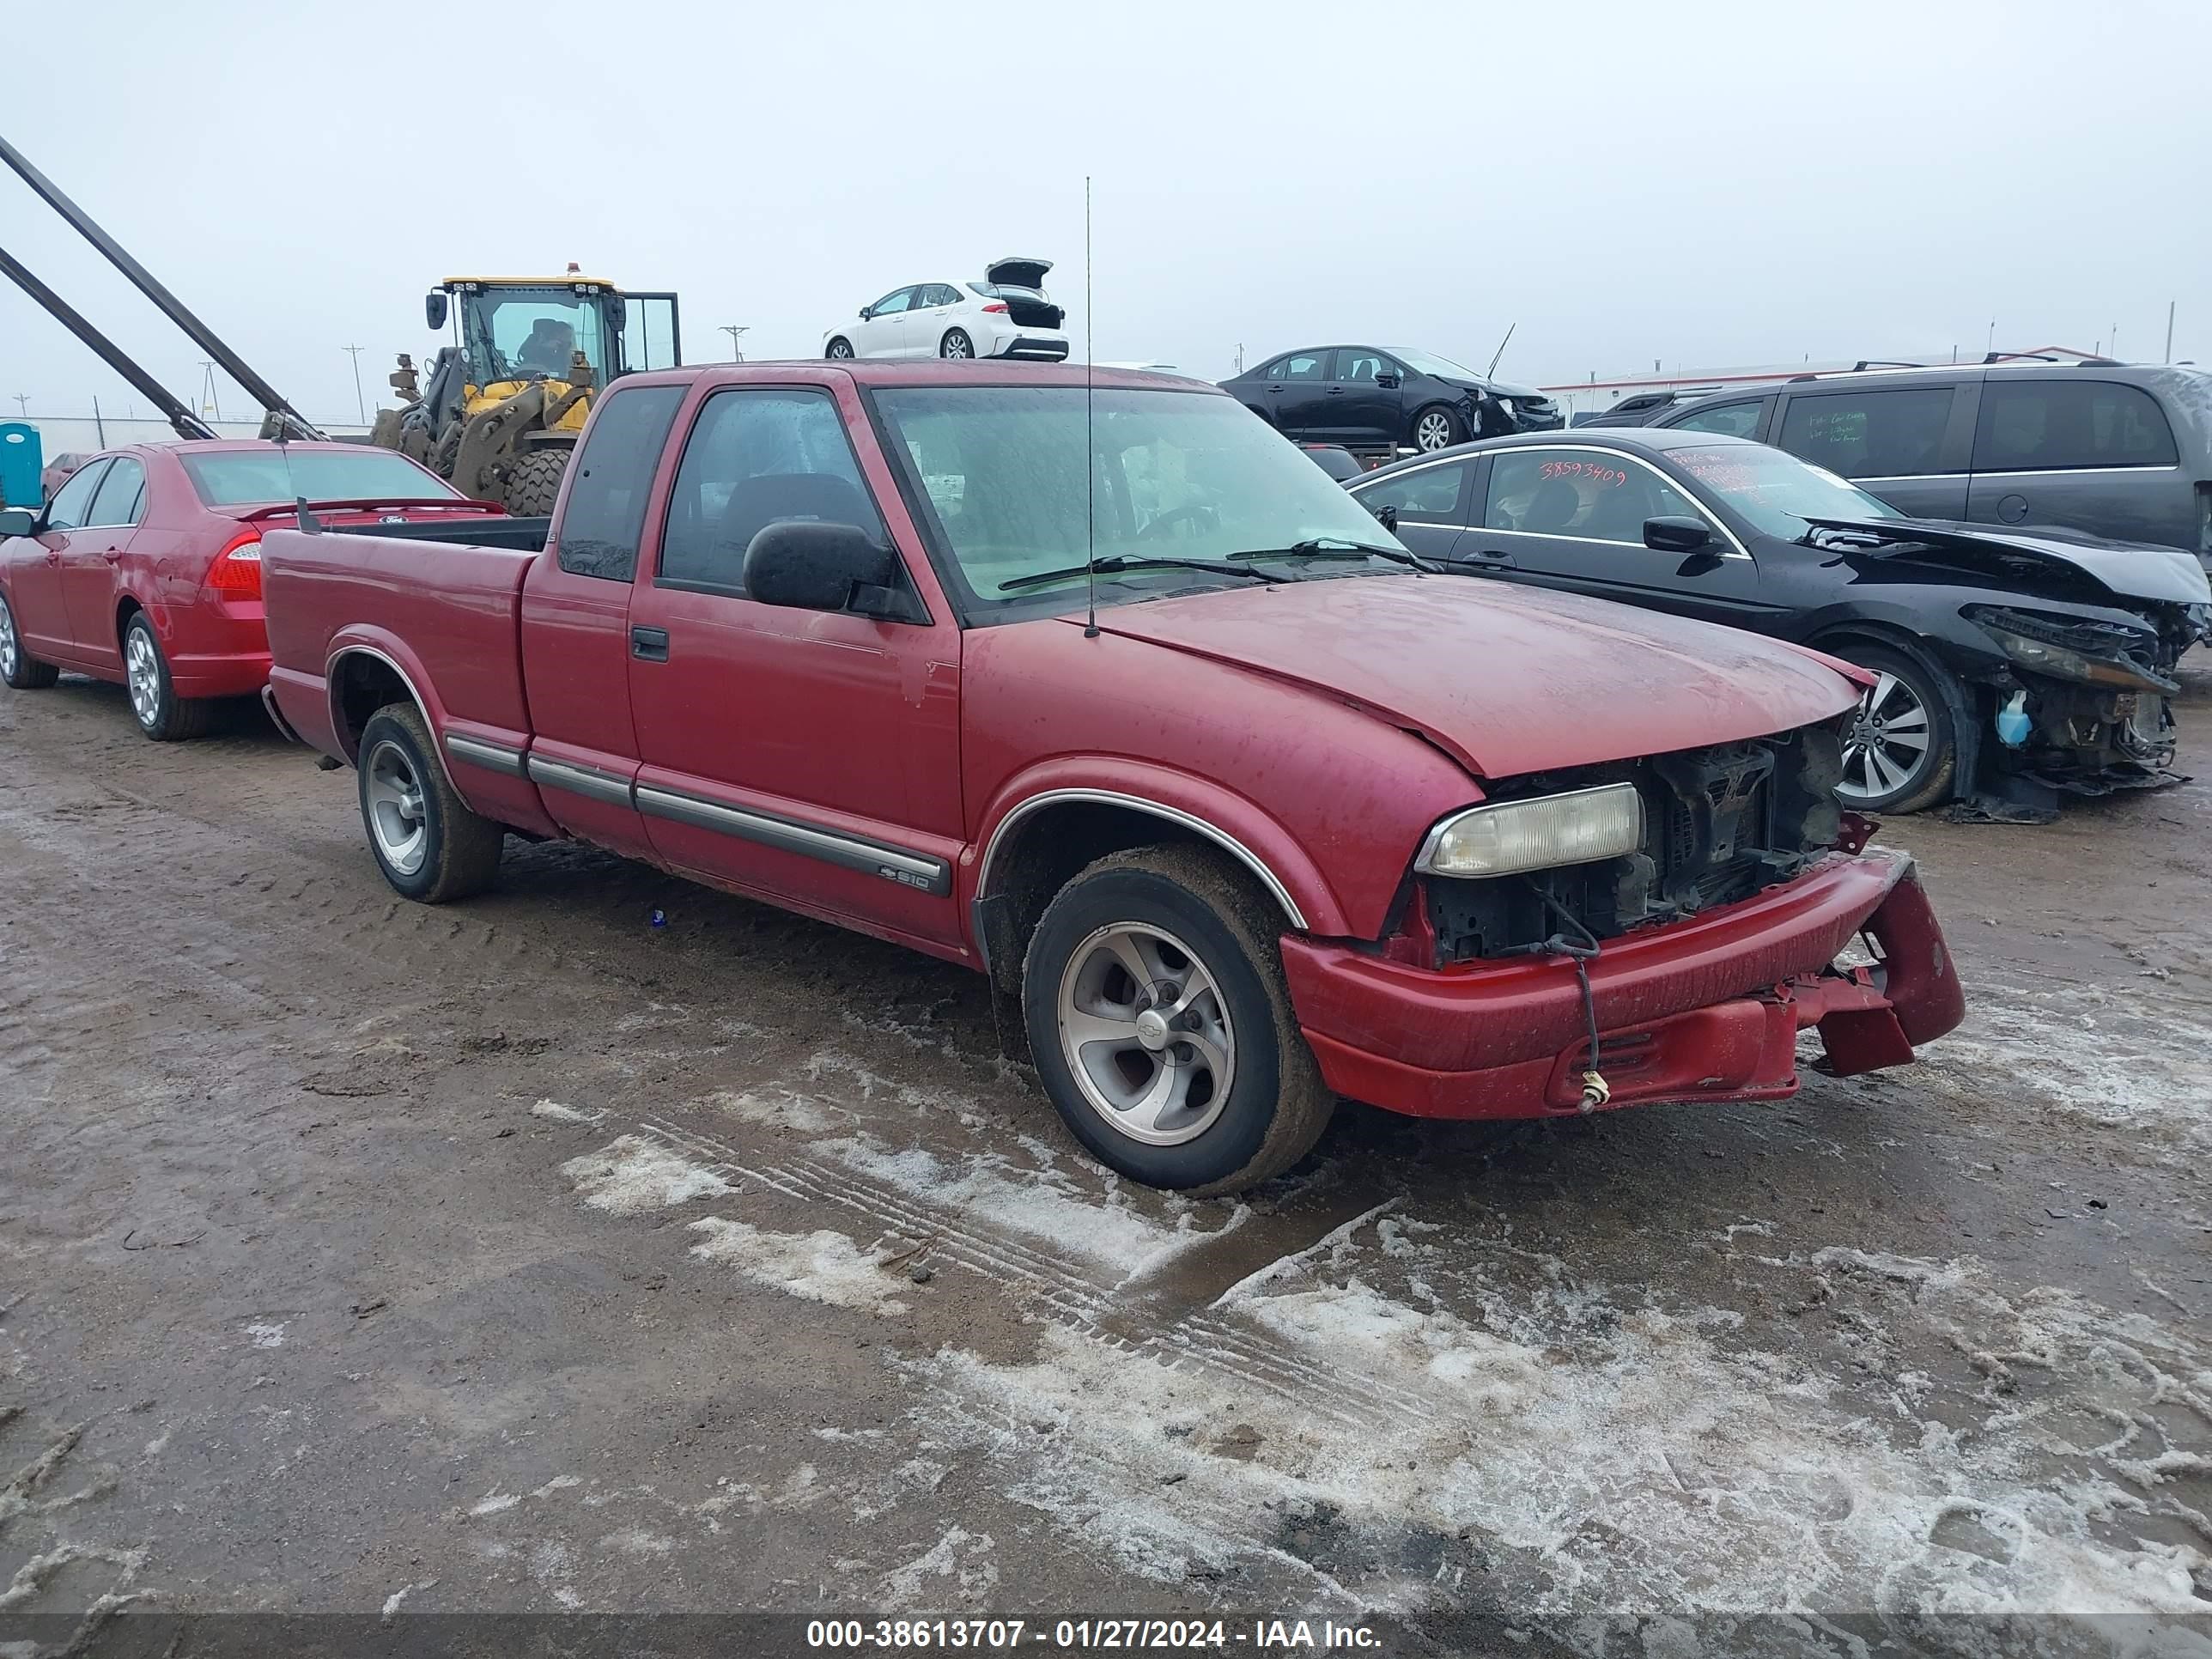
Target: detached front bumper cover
1703	1010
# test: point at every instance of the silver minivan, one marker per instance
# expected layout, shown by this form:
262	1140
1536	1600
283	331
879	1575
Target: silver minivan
2117	450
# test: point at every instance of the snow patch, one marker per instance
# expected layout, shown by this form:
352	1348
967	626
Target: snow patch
268	1334
492	1503
632	1175
824	1265
636	1540
780	1109
958	1562
560	1114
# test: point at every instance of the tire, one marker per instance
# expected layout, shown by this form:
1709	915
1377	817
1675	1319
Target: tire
956	343
161	714
22	671
1882	771
446	453
1436	428
840	350
430	845
1189	915
535	484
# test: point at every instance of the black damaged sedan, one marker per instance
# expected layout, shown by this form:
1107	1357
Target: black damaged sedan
2010	666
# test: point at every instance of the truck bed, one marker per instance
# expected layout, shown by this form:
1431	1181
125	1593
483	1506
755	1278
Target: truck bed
445	615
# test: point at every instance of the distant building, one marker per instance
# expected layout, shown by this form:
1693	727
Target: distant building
1594	396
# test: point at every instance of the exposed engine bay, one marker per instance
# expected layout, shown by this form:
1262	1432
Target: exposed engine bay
1720	825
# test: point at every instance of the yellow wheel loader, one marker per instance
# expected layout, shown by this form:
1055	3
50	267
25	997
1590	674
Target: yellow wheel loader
504	403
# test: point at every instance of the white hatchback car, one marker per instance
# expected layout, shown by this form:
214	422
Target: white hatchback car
1005	315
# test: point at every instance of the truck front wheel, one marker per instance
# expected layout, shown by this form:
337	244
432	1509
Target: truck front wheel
1160	1022
428	844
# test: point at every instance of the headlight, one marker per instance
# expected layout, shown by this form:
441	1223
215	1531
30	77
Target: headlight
2062	662
1579	827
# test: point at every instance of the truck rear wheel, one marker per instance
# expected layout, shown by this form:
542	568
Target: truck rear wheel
535	484
1161	1025
430	845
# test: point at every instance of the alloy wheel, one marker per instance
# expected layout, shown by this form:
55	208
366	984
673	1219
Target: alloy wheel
1146	1033
839	350
143	672
1887	746
1433	431
956	345
8	647
397	816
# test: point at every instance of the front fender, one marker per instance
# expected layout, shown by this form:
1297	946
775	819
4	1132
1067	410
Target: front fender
1237	825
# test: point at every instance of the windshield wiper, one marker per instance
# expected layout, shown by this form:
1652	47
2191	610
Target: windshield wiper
1336	547
1115	563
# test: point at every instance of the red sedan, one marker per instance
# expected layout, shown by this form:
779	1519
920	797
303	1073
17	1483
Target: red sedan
145	567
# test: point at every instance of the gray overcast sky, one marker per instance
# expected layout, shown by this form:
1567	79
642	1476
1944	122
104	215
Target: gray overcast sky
1707	185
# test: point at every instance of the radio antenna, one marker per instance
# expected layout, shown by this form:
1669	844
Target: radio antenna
1089	455
1502	344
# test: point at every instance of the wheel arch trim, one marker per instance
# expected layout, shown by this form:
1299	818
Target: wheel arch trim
430	722
1029	804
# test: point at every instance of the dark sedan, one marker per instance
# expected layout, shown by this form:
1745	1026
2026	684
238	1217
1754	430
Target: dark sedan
1371	398
2008	666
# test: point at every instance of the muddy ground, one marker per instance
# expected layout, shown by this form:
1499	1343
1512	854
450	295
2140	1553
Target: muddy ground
526	1255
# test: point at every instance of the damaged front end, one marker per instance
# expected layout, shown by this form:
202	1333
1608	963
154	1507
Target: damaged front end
2084	705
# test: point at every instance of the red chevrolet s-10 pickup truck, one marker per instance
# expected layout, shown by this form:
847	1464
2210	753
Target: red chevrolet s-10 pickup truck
1295	818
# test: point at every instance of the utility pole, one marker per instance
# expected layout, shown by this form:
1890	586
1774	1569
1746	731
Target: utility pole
2112	341
211	396
358	402
737	352
99	425
1240	357
2169	331
23	403
1993	334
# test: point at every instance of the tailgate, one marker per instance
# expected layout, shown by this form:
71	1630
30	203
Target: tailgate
445	614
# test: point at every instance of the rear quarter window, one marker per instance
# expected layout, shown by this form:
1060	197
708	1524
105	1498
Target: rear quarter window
604	513
1894	433
2035	426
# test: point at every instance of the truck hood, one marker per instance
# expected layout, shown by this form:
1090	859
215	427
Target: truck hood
1506	680
2035	559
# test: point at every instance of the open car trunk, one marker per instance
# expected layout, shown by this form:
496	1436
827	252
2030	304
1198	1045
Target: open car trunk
1020	284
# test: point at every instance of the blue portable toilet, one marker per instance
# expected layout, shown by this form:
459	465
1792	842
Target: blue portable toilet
21	460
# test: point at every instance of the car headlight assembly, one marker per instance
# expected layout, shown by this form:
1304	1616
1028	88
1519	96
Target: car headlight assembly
1509	838
2061	662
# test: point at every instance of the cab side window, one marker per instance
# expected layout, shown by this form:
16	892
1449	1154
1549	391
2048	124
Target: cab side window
71	507
1361	367
1589	495
758	456
604	513
1430	495
122	497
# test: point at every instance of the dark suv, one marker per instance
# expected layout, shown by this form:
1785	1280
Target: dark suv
2117	450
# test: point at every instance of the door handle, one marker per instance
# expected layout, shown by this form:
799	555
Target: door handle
53	558
649	644
113	555
1336	392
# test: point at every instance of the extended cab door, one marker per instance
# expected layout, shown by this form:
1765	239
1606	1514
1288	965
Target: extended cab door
1572	517
809	756
575	629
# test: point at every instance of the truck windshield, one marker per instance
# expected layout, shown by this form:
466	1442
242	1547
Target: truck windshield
1777	491
256	477
1175	475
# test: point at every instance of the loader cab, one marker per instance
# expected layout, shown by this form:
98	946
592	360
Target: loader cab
509	332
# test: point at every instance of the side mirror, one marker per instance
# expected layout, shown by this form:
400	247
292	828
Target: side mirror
867	312
819	566
617	313
1673	533
434	309
1386	515
18	521
1386	381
